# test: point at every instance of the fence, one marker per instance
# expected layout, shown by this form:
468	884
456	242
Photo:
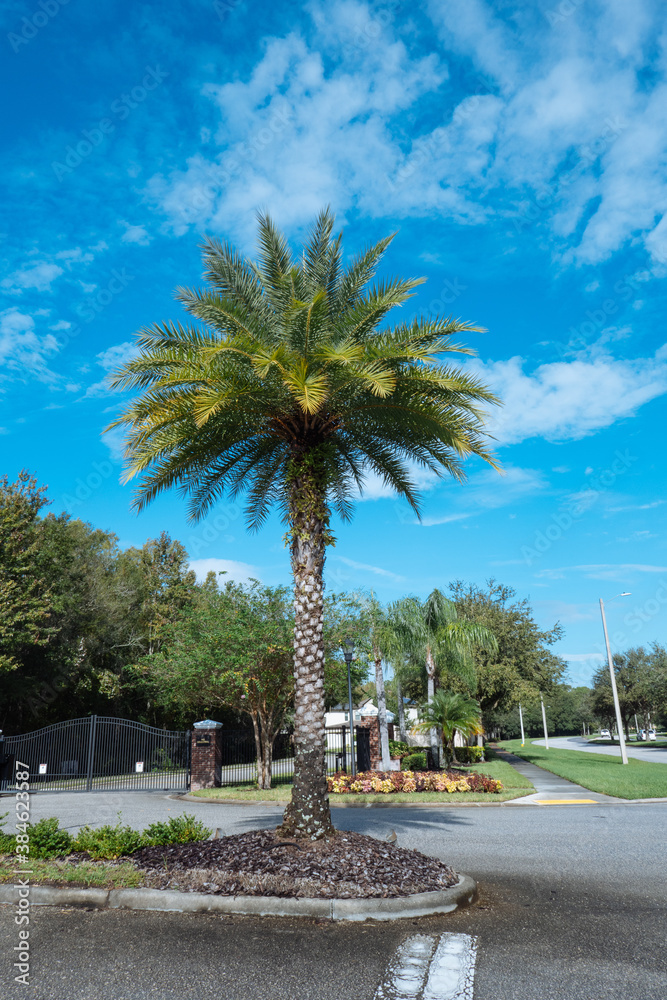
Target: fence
99	752
238	755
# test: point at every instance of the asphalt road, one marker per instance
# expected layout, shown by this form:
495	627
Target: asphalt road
572	907
642	751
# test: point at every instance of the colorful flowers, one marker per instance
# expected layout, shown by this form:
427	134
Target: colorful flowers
388	782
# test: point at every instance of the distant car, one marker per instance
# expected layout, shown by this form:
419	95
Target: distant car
605	734
651	734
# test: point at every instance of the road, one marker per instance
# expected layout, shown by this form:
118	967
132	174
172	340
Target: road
642	752
572	907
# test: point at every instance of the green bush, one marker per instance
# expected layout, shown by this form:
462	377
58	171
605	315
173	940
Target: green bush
177	830
414	762
469	755
108	842
398	749
47	840
7	840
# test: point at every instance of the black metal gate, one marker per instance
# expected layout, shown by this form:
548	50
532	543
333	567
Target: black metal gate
100	752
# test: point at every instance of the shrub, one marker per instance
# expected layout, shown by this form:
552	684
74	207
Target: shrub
469	755
177	830
414	762
388	782
7	840
47	840
398	749
108	842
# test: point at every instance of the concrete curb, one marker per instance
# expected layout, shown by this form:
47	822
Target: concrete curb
423	904
354	802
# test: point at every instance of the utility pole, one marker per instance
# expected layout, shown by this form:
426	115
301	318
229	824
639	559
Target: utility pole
544	723
614	689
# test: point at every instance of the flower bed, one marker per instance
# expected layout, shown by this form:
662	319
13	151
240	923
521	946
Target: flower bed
389	782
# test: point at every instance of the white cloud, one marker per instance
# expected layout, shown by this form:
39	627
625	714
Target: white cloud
488	490
110	359
601	571
39	276
567	400
22	349
366	568
135	234
240	572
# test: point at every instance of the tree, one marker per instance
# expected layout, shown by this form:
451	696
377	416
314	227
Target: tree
435	636
25	604
522	665
451	712
230	648
291	392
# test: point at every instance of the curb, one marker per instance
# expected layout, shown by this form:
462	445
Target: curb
355	802
423	904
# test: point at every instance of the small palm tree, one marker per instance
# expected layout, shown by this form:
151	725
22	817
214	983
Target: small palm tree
436	639
291	390
451	712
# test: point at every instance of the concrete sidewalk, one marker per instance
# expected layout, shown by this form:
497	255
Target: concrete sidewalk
550	788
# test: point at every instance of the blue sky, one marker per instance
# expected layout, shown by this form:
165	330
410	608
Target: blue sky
518	150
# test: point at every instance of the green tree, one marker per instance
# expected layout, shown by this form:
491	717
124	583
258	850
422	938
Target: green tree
451	712
25	603
522	665
291	390
436	638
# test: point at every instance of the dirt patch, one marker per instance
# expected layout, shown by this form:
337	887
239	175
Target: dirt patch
346	866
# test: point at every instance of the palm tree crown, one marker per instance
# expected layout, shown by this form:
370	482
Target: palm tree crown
290	362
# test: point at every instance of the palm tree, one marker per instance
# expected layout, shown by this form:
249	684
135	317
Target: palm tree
290	390
451	712
435	637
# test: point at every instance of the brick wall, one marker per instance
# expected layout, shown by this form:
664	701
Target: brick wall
372	723
205	761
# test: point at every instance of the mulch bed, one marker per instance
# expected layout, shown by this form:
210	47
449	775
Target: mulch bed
348	865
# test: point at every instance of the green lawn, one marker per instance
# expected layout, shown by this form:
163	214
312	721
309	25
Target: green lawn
89	874
599	772
654	744
514	785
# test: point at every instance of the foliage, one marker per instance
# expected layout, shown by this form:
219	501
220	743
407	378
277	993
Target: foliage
568	711
470	755
25	602
392	782
108	842
414	762
176	830
47	840
397	748
641	681
523	665
451	712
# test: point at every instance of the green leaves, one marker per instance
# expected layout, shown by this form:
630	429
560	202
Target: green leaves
293	351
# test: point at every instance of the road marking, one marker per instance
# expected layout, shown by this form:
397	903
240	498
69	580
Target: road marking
431	968
567	802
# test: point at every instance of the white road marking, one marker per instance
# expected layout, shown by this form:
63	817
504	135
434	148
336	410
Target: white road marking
430	968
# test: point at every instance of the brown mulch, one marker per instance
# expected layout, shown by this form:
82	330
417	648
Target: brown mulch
259	863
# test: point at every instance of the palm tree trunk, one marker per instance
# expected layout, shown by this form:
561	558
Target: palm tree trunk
308	813
382	713
401	713
430	673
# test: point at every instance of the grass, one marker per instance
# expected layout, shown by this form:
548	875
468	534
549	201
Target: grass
599	772
649	744
86	874
514	785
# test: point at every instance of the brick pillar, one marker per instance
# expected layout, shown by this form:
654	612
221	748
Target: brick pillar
206	758
372	723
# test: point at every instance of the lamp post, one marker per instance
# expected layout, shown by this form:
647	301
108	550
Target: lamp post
544	723
614	690
523	738
348	653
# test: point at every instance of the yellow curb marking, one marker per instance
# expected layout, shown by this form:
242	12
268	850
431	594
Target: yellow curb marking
566	802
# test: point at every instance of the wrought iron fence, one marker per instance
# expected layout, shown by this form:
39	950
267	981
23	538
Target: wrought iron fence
100	752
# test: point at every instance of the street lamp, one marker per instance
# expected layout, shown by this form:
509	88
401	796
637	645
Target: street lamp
348	653
614	690
544	723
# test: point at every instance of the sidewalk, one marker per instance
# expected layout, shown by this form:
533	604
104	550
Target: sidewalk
550	789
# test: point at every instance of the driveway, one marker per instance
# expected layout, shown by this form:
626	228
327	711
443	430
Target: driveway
643	752
572	907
